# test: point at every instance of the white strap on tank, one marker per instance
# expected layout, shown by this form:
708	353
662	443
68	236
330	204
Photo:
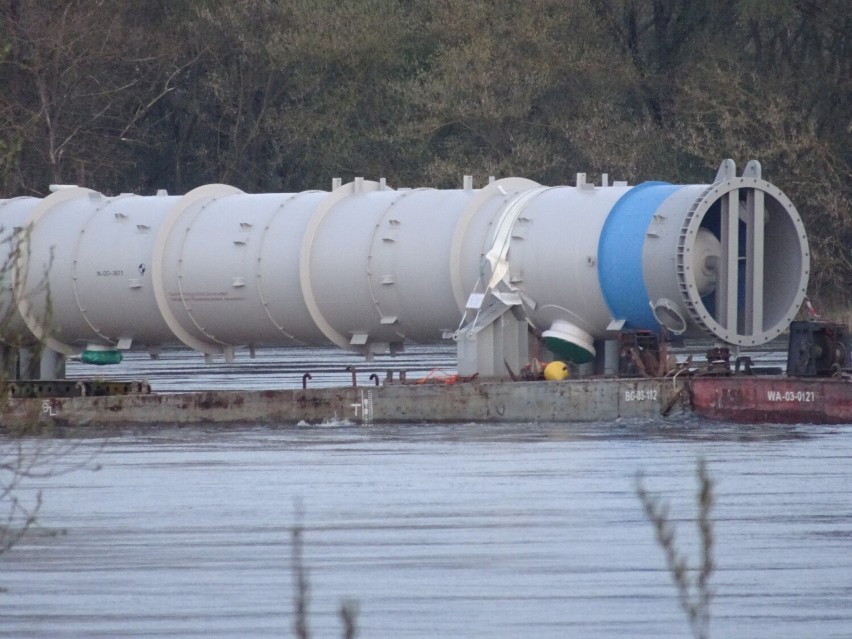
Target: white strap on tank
498	253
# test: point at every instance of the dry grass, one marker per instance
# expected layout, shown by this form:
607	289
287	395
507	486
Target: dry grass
348	611
692	584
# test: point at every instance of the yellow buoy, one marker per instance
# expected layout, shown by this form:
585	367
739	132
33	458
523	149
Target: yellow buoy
556	371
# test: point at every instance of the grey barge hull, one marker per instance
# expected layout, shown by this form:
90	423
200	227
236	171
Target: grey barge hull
540	401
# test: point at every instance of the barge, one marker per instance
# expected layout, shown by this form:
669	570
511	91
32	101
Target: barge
600	278
753	399
819	391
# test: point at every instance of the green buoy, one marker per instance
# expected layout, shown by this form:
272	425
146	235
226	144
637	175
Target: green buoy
101	358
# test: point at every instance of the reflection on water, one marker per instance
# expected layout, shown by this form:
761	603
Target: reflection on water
456	530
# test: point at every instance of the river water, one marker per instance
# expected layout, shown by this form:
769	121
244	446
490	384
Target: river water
452	530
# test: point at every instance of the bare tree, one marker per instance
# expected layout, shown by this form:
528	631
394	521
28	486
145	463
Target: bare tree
80	77
29	452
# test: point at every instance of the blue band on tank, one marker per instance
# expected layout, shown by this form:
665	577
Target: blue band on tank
622	238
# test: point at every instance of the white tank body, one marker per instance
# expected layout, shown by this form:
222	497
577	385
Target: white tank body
554	255
379	265
96	254
228	265
367	267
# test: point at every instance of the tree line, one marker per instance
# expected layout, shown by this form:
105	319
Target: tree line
283	95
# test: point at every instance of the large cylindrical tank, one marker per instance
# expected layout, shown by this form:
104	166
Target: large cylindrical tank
368	267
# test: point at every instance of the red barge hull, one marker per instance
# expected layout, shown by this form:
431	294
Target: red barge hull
773	399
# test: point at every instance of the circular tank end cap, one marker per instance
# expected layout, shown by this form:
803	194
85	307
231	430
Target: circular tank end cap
569	342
